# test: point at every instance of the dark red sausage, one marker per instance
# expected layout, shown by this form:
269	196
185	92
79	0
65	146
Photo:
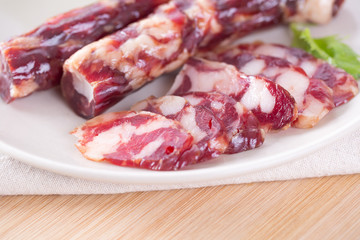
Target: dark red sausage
272	105
344	85
217	123
103	73
34	61
210	139
130	139
313	97
241	127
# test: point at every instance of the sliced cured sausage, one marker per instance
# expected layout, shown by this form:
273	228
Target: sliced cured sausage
218	123
34	61
239	18
313	97
103	73
210	140
344	85
272	105
143	140
316	11
241	126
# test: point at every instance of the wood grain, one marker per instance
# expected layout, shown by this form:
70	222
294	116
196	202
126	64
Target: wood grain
323	208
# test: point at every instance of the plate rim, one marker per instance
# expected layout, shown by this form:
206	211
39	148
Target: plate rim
190	176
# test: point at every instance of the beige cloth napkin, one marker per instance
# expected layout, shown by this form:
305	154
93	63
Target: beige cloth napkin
339	158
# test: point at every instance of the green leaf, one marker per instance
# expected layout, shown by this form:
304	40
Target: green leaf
330	48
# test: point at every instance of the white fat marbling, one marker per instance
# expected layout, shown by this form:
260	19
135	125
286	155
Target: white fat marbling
317	11
295	83
204	11
272	72
108	141
25	88
81	85
254	67
315	108
188	121
217	105
139	106
309	67
171	105
258	95
149	149
154	124
193	100
240	109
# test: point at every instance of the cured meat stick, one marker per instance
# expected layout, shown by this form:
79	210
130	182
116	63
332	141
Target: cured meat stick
344	86
103	73
274	107
217	122
313	97
130	139
239	18
241	127
209	137
34	61
169	133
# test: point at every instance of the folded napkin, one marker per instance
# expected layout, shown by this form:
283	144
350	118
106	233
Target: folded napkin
339	158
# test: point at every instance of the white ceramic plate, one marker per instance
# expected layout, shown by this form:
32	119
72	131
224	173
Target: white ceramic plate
36	129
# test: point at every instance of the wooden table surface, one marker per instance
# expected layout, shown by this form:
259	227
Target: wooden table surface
320	208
